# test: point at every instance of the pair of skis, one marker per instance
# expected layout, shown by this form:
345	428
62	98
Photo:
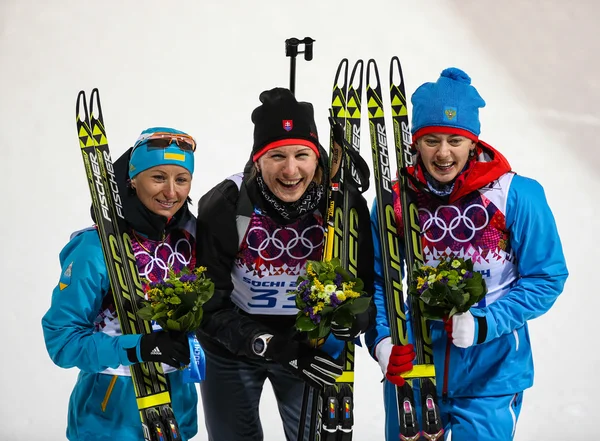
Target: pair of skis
332	409
423	374
149	381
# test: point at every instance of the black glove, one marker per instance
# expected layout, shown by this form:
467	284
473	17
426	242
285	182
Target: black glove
315	367
167	347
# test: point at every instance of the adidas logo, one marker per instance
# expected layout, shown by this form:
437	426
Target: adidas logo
156	351
294	364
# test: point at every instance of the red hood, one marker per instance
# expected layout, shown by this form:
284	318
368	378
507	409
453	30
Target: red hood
487	166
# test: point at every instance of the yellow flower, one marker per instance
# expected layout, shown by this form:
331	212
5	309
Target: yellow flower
153	292
318	285
318	307
200	269
340	295
455	264
309	270
463	271
351	294
348	285
420	282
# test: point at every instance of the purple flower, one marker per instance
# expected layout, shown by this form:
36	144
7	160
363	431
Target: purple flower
315	318
305	295
334	300
444	280
302	286
468	275
423	288
338	280
188	278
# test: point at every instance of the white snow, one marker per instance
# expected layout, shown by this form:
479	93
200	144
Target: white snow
200	66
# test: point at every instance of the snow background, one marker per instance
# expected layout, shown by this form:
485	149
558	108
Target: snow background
200	66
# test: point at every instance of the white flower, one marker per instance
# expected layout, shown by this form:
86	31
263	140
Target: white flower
329	289
323	295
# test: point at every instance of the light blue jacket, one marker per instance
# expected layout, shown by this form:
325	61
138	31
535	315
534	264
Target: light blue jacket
502	363
73	339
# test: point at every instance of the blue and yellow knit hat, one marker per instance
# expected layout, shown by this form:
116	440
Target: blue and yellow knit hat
145	156
450	105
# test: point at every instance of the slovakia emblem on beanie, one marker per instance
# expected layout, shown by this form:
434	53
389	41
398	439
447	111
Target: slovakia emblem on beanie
288	124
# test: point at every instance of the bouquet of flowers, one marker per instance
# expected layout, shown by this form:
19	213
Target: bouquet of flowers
325	293
176	302
447	289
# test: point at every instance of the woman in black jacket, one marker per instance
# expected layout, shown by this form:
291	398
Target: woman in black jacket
255	232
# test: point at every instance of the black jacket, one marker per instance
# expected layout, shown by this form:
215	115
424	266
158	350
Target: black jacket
225	329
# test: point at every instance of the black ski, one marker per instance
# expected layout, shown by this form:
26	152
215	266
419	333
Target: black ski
432	424
332	409
150	383
333	239
423	373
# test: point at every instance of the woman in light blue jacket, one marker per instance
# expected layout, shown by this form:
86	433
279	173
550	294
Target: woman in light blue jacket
472	205
81	327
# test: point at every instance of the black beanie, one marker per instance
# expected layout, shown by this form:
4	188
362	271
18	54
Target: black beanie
281	118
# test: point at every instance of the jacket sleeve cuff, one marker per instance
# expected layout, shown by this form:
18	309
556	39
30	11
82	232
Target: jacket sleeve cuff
130	344
485	326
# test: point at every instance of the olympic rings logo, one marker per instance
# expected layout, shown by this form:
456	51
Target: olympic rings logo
175	254
459	223
259	240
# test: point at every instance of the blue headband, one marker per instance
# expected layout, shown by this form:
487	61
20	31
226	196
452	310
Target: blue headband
144	157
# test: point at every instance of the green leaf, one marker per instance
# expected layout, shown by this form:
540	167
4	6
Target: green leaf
317	266
145	313
173	325
343	317
433	312
160	307
346	276
469	265
359	286
304	323
425	296
175	300
327	310
324	327
359	305
205	296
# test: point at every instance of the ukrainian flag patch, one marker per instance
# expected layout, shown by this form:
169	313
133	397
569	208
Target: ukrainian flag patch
175	156
65	278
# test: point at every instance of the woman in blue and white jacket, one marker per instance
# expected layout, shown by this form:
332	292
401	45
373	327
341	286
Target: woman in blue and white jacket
81	328
472	205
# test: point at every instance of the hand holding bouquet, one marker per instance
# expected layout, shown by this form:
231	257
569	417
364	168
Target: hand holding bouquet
328	291
447	289
176	305
176	302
